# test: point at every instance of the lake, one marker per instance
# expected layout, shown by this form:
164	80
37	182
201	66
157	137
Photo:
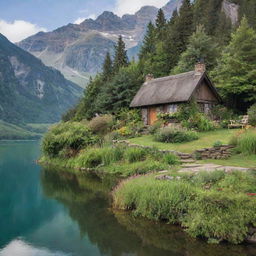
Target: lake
46	212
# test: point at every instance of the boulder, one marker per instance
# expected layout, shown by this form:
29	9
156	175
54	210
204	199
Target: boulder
164	177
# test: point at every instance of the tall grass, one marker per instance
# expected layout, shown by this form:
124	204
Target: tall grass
122	160
154	199
221	211
135	154
245	142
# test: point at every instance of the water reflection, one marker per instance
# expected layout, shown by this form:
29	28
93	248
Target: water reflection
117	233
21	248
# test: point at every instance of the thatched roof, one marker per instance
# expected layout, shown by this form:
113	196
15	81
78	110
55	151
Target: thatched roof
170	89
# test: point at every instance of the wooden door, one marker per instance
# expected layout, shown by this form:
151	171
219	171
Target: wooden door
152	115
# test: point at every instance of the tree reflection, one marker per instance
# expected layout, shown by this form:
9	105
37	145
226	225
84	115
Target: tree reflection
87	198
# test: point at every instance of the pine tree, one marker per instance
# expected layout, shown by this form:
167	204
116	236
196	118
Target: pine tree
184	25
148	46
171	42
223	30
160	25
236	72
120	58
200	47
107	68
119	92
247	8
159	65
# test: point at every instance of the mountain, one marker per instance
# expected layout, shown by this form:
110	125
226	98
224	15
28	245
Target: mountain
79	50
31	92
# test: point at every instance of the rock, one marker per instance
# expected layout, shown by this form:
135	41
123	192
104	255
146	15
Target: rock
164	171
164	177
251	238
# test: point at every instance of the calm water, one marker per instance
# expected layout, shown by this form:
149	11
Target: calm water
49	213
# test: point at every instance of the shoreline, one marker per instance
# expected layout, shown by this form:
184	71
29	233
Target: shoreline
166	180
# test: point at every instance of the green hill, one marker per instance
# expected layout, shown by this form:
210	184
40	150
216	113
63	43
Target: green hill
31	92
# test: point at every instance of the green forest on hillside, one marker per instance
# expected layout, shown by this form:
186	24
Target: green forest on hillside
200	31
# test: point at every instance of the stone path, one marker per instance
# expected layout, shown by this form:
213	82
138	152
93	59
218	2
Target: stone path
209	168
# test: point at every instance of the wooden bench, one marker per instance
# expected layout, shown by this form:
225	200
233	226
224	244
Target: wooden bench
239	123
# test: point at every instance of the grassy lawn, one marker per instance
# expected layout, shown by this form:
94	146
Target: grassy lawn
236	160
206	140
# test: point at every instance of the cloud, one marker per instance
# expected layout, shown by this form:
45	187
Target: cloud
131	6
81	19
18	247
19	29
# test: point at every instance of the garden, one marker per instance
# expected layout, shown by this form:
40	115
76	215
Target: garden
217	205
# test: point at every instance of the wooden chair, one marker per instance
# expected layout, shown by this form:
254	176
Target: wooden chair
239	123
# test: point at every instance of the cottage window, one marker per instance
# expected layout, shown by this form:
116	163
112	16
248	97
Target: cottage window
172	108
207	108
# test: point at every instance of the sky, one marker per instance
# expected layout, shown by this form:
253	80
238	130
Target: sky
22	18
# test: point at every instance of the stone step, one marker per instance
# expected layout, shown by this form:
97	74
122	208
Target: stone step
188	161
185	157
191	165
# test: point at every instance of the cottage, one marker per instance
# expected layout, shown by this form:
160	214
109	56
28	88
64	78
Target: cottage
166	93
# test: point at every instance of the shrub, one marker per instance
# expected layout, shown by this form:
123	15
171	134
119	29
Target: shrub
101	124
186	111
90	158
220	216
198	122
134	154
124	131
222	113
67	136
171	159
94	157
174	135
217	143
155	127
203	177
252	115
238	182
129	116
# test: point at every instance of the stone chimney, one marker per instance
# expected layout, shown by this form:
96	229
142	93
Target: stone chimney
200	68
149	77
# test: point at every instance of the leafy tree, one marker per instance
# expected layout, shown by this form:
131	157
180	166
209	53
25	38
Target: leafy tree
120	58
201	46
88	106
107	68
236	71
